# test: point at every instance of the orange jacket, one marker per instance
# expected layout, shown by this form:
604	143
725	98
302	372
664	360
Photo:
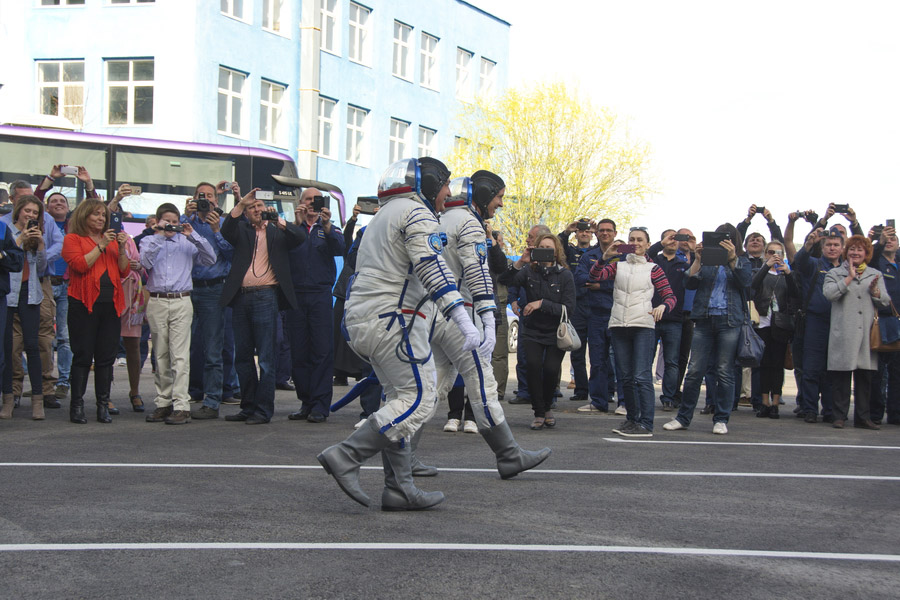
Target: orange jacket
84	281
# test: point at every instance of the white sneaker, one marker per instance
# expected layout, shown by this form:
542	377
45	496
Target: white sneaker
470	427
621	410
121	363
673	425
452	426
360	424
720	428
589	408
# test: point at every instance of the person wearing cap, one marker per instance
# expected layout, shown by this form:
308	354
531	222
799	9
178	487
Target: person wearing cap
584	234
817	309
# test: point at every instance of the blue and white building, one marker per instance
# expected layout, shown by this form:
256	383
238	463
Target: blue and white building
343	87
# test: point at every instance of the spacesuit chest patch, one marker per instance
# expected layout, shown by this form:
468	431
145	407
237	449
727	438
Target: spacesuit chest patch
434	240
481	251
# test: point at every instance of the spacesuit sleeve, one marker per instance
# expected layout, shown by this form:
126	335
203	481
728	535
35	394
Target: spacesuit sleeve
473	253
424	247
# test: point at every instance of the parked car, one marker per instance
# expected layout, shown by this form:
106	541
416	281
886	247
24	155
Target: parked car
513	337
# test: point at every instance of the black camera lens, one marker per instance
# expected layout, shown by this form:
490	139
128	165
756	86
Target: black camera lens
203	203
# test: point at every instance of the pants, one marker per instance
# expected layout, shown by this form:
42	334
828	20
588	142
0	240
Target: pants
670	334
312	349
95	338
771	369
815	382
886	388
254	318
450	360
370	400
840	381
282	350
460	407
207	341
29	317
599	342
684	353
634	365
170	324
63	349
715	342
401	358
544	362
500	358
46	337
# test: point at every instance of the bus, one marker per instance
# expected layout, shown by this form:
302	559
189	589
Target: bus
166	171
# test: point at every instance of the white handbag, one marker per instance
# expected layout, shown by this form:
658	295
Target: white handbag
567	338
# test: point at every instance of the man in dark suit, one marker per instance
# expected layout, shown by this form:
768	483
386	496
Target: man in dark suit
257	287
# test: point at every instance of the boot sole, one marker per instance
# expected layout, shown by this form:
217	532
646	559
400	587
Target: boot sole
388	508
510	476
324	462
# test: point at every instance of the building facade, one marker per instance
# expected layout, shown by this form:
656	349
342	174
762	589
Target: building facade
343	87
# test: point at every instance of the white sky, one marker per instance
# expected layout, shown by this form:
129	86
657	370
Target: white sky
789	104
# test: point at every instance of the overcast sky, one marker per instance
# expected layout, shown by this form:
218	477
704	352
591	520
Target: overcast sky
789	104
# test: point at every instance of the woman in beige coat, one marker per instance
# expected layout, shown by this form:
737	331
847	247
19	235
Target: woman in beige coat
854	290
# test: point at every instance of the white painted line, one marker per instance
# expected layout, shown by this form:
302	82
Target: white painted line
470	470
773	444
450	548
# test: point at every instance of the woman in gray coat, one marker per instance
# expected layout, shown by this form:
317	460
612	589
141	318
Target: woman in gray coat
854	290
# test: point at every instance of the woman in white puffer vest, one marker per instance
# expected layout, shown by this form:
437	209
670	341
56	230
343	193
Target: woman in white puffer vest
632	323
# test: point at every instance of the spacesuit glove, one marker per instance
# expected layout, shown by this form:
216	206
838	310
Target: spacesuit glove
466	327
486	349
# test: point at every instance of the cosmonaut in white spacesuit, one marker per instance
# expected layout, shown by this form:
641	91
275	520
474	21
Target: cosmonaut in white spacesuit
401	279
470	202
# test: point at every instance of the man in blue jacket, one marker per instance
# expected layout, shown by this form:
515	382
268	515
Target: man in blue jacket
310	326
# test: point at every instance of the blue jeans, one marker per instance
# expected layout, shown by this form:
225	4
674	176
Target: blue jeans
598	351
63	349
634	365
208	337
714	343
230	384
254	319
578	357
670	334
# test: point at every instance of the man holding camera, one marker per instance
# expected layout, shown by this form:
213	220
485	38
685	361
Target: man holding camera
310	325
258	283
202	214
169	258
584	234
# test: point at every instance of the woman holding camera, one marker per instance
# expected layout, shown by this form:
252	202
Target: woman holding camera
25	296
549	286
97	263
776	295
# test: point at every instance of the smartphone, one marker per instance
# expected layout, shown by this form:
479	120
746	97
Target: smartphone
760	210
67	170
115	221
582	225
265	195
367	205
136	190
890	223
32	223
713	253
227	186
682	237
625	249
543	255
319	202
841	208
170	227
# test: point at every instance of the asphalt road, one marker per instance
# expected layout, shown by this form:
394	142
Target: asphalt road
775	509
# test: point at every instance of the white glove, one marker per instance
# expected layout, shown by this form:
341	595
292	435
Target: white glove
466	327
486	349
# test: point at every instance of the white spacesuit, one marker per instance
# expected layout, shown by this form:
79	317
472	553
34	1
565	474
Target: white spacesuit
401	280
466	255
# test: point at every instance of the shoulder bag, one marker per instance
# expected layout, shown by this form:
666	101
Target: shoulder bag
567	338
885	334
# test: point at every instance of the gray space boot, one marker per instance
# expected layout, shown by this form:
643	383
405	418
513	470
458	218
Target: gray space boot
342	461
400	493
511	458
419	469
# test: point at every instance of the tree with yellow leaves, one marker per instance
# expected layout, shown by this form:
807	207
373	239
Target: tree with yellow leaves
561	158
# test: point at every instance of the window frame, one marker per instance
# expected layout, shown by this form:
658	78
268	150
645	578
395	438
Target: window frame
131	89
364	40
491	78
282	17
429	148
230	95
334	122
334	16
247	11
466	93
267	107
128	2
435	70
362	146
397	142
62	4
61	85
399	45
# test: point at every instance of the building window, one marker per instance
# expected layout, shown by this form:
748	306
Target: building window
427	142
231	101
62	89
327	128
271	19
233	8
61	2
429	71
463	74
488	78
129	92
359	34
357	135
131	1
328	26
397	148
403	52
271	127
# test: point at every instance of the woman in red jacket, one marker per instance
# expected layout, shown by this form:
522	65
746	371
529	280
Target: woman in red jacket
97	263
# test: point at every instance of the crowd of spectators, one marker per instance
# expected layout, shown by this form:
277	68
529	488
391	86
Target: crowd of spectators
242	303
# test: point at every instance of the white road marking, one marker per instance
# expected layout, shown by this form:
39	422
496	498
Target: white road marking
772	444
473	470
450	548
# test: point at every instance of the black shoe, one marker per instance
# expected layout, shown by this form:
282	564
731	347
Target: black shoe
828	419
300	415
341	381
810	418
667	406
76	413
773	411
708	409
51	402
316	418
256	420
237	417
579	398
103	412
286	386
764	411
112	409
519	400
205	412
